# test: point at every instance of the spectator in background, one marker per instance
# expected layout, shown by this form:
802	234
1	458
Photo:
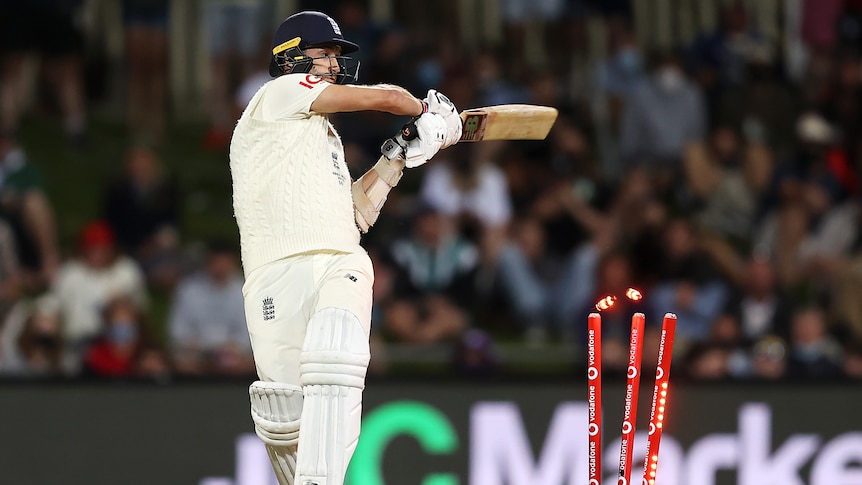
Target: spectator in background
763	109
598	221
819	22
812	221
142	206
565	188
51	30
233	29
720	57
358	26
688	284
727	184
818	173
125	347
726	332
758	304
829	245
86	283
640	218
492	83
471	188
570	200
707	361
817	80
434	284
527	279
208	334
853	360
846	306
814	353
391	60
544	293
616	76
26	208
145	24
248	87
10	269
728	180
769	357
623	68
30	340
532	29
843	107
663	114
849	25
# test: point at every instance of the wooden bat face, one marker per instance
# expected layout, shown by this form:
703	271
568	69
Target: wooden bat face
507	122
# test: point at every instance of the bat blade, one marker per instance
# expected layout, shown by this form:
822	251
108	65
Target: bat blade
507	122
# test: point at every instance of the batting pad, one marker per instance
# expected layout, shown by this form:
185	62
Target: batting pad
333	364
276	409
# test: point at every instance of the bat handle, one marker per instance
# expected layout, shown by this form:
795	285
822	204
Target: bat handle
397	145
408	131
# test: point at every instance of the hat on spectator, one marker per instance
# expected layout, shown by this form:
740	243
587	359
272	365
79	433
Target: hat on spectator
96	234
813	128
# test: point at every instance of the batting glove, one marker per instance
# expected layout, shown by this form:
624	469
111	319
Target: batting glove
438	103
431	129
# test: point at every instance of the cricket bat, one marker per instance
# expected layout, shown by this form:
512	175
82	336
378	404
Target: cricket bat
502	122
507	122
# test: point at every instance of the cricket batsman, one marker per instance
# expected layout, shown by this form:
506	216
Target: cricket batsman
308	281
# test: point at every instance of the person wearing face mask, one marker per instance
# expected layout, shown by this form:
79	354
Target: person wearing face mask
616	76
87	281
30	340
125	343
664	113
624	67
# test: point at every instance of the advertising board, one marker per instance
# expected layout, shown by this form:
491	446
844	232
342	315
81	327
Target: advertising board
433	433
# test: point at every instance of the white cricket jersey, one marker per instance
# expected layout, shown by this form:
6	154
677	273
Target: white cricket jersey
291	186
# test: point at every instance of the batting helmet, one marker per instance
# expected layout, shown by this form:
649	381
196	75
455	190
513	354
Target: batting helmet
310	29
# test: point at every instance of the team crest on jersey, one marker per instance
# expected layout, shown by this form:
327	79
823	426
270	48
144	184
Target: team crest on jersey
268	309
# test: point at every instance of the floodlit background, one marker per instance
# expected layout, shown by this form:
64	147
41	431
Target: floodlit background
707	154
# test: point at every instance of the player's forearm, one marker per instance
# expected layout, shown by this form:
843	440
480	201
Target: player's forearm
399	101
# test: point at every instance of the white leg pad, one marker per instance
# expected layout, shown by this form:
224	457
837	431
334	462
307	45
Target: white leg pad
333	364
276	409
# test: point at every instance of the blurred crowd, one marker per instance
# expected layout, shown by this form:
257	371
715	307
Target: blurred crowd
720	177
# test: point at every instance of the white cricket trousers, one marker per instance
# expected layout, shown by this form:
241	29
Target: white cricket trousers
282	296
